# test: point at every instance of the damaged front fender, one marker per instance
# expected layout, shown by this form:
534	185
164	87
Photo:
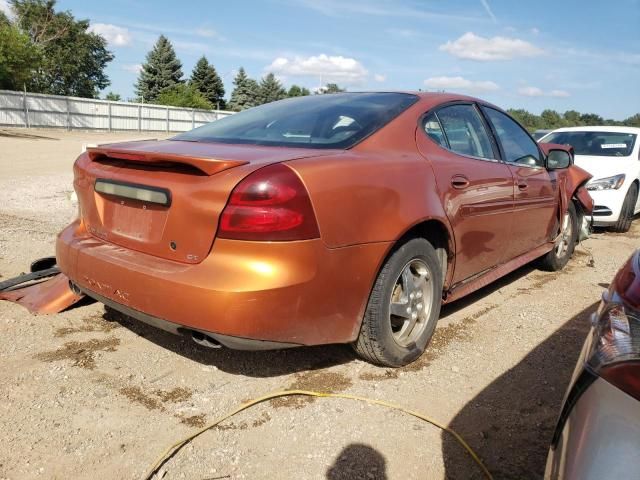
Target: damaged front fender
577	178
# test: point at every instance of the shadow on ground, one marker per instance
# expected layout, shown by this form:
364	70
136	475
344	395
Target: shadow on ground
280	362
27	136
451	308
269	363
283	362
358	461
510	423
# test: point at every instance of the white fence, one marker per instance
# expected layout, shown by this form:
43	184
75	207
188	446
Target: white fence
20	109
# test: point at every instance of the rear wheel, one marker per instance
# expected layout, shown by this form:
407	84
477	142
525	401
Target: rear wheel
404	306
626	212
565	243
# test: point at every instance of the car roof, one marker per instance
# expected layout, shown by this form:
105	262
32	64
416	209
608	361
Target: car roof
425	95
433	99
603	128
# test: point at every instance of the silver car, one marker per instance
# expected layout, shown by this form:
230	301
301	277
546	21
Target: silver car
598	431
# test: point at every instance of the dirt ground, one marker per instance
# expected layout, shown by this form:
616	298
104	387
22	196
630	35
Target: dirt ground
88	395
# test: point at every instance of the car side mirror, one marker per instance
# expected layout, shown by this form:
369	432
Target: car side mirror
558	159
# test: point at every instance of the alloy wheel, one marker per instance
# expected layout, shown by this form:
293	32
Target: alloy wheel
411	302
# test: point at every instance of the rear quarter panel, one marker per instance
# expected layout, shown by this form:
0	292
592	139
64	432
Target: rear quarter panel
377	190
370	197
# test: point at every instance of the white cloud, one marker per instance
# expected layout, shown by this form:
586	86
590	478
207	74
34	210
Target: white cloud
627	57
460	83
474	47
531	92
538	92
113	34
486	6
535	31
5	8
379	78
133	68
207	32
330	68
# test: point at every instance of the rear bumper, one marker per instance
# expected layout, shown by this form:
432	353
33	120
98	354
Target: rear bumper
236	343
299	293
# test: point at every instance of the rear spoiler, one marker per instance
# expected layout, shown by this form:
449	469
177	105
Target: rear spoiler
207	165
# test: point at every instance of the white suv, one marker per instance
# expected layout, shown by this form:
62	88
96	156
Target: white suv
612	156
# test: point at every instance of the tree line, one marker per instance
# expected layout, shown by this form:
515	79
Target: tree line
550	119
161	81
47	51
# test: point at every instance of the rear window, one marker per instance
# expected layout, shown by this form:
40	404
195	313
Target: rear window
317	121
602	144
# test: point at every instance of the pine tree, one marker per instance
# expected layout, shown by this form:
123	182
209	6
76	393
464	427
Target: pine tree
245	93
161	70
206	80
271	89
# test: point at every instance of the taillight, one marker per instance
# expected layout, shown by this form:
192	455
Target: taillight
615	348
271	204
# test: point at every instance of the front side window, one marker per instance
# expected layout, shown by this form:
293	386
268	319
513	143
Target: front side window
316	121
598	144
465	131
518	147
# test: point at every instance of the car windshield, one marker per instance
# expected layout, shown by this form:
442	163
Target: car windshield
316	121
603	144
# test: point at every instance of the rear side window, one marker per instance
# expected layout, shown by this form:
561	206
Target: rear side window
465	131
517	145
434	131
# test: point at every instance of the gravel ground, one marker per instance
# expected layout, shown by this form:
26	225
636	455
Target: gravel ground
88	394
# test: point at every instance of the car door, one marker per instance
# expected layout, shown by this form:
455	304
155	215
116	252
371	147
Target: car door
475	188
535	198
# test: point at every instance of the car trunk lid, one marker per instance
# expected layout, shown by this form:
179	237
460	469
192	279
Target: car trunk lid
164	198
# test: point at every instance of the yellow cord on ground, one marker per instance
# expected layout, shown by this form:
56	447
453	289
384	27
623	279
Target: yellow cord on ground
173	449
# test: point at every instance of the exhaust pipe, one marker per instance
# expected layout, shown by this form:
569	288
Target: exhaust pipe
74	288
204	340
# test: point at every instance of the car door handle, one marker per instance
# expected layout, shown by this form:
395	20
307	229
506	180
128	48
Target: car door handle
522	185
459	182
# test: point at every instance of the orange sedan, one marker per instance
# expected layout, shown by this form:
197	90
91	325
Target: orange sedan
346	218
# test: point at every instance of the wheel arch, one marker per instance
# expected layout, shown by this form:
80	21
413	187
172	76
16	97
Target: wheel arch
437	232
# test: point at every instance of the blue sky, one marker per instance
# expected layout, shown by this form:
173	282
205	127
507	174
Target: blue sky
568	54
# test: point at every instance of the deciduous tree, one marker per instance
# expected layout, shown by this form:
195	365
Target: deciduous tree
296	91
113	97
19	57
183	95
73	59
333	88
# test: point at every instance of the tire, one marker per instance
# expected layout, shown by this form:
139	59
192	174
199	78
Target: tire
562	251
411	278
626	212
